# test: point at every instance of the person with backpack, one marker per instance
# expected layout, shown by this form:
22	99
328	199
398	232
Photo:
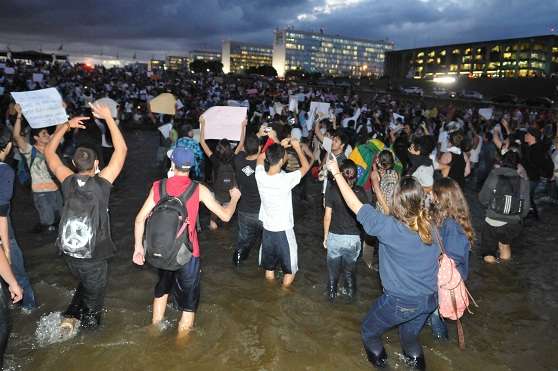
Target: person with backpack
9	244
408	268
46	195
84	236
450	215
165	236
342	235
505	194
222	164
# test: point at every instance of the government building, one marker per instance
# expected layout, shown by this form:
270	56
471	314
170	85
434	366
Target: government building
521	57
237	57
333	55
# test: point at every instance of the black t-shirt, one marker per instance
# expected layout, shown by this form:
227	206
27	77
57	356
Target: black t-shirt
343	220
100	188
245	176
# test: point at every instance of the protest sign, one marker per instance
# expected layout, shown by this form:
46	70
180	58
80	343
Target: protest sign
224	122
41	108
38	77
316	109
9	70
163	103
2	66
486	113
179	104
111	104
165	130
397	116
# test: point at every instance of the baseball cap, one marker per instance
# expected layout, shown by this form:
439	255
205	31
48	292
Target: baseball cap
182	158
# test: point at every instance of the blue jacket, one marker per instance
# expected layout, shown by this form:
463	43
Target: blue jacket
457	245
408	266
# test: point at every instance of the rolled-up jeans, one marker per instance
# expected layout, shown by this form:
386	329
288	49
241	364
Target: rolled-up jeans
249	233
89	297
345	247
409	313
48	205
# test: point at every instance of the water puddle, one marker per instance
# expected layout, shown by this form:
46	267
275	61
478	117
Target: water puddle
50	331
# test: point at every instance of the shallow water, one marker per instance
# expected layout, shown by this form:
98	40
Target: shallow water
245	323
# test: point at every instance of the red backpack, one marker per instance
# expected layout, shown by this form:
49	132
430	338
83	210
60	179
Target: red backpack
453	296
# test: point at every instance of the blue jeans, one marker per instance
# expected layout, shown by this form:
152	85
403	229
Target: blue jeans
439	327
249	235
342	253
408	313
48	205
18	268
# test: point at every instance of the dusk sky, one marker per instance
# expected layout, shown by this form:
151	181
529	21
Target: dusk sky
160	27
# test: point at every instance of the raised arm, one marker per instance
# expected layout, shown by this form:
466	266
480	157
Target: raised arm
61	171
203	144
304	164
116	163
240	145
348	195
139	227
20	141
224	213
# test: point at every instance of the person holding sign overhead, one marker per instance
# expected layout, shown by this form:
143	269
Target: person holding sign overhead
223	174
46	195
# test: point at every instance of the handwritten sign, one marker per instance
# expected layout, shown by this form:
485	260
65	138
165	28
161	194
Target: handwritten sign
316	108
41	108
224	122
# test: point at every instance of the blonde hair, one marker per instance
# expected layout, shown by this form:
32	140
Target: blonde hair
450	203
408	207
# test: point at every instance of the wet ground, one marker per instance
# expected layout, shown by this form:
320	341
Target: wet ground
244	323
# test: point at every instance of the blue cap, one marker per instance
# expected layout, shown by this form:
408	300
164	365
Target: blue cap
182	158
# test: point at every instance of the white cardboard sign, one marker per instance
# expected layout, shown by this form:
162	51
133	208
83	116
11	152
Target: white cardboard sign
224	122
315	109
41	108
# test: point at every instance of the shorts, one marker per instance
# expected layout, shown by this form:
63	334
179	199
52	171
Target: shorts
279	248
506	234
183	285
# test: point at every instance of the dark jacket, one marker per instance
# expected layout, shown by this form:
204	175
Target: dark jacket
489	186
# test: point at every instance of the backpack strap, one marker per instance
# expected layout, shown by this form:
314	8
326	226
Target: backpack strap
185	196
163	189
33	156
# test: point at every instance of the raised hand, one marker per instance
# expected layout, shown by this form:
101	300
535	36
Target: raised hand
101	111
235	193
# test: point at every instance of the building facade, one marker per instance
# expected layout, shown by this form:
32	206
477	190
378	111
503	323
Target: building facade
205	55
238	57
177	63
327	54
522	57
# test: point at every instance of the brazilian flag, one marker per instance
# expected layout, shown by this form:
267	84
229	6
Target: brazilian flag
363	156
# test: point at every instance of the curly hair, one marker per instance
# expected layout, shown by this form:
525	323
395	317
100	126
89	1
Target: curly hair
408	207
450	203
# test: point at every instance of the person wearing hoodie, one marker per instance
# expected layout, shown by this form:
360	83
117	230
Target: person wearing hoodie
501	228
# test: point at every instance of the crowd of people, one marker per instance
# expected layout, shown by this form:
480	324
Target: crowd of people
393	175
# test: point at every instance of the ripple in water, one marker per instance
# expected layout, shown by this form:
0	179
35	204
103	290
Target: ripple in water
49	332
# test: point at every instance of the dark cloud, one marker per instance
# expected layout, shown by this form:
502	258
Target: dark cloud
176	26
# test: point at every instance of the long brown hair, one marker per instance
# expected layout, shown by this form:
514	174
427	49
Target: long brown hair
450	203
408	207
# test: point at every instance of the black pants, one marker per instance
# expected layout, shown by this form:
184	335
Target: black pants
249	235
4	323
491	236
88	300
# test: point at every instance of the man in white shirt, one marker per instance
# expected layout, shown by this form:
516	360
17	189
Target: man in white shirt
276	210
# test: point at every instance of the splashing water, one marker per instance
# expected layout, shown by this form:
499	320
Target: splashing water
49	331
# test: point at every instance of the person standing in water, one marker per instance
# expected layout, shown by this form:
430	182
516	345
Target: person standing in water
184	283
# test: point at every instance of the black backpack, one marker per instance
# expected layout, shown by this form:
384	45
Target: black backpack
166	240
224	179
80	219
506	196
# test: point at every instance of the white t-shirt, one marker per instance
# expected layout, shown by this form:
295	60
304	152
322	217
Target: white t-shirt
276	210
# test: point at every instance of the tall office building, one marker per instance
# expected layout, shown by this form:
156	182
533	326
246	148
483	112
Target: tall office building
328	54
520	57
237	57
